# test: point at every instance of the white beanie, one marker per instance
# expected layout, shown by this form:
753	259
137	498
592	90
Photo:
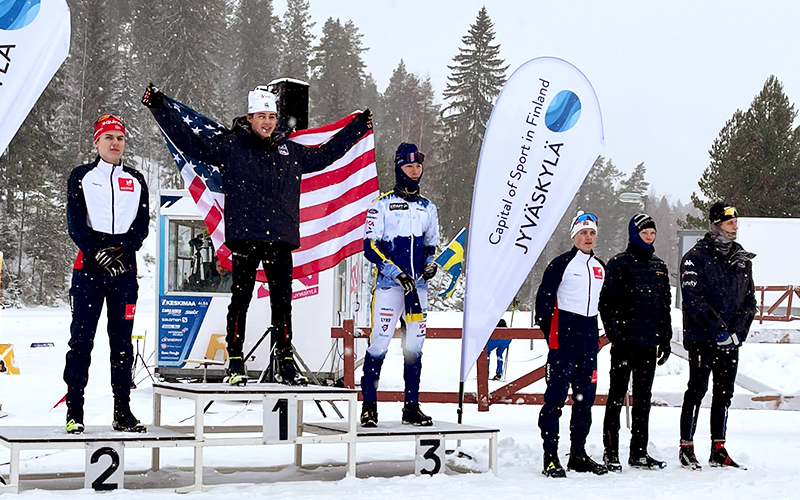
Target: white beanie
261	100
583	221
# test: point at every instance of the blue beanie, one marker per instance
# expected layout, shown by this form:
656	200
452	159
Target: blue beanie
407	153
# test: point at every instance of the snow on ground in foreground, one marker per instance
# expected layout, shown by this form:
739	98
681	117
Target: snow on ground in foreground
767	441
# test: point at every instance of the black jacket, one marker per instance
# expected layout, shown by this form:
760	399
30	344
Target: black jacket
260	177
635	299
718	292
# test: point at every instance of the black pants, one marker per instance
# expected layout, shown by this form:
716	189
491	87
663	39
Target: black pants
277	261
706	359
638	361
88	293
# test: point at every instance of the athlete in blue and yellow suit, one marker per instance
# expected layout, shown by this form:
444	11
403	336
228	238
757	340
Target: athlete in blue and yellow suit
401	234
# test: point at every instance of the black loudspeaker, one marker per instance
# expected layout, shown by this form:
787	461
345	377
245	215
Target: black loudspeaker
292	102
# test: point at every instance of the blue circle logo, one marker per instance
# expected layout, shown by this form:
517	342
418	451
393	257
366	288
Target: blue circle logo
16	14
564	112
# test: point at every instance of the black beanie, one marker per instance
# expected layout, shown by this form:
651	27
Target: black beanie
721	211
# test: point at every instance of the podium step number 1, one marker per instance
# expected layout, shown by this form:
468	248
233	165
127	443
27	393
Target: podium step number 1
280	419
105	466
430	457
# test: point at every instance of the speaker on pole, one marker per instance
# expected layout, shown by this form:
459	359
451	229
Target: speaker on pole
292	102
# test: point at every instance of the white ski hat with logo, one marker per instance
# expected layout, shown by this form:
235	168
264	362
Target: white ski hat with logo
261	100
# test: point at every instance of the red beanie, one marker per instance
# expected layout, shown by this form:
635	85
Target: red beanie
107	123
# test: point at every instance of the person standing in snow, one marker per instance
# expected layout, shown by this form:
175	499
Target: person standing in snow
261	173
635	308
108	219
566	311
719	305
401	234
499	347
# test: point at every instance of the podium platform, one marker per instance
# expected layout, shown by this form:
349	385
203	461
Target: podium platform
32	437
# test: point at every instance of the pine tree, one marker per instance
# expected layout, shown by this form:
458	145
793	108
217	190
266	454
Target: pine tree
257	49
337	72
476	79
755	160
297	40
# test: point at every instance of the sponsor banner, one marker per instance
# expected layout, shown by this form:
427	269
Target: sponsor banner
544	134
28	59
179	320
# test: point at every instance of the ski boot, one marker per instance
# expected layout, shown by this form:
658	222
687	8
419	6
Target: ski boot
645	462
611	460
287	369
581	462
237	375
369	414
497	376
687	457
552	466
124	421
412	415
75	421
720	458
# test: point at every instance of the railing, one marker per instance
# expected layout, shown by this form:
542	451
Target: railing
507	394
788	294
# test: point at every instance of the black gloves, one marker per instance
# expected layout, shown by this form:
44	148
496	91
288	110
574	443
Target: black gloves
429	271
664	350
366	118
407	282
152	97
108	259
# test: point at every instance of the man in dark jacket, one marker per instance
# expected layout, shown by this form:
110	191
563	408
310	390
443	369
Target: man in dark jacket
566	310
261	180
719	305
635	307
108	219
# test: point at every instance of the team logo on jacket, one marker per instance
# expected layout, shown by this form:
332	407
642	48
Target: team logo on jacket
598	272
398	206
125	184
282	149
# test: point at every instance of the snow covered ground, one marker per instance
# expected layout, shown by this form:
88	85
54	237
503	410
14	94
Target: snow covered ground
766	440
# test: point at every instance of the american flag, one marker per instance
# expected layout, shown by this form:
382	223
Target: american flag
333	201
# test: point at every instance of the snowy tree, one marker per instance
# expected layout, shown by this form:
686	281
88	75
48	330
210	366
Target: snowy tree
297	40
755	160
337	72
475	81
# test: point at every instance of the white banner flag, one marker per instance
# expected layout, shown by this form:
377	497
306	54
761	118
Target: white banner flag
544	134
34	41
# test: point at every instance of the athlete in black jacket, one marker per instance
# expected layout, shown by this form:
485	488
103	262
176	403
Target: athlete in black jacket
108	219
261	173
635	308
719	305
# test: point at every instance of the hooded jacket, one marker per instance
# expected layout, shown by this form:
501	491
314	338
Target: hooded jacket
635	299
260	177
718	292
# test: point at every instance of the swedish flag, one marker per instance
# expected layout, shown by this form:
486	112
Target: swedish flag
451	260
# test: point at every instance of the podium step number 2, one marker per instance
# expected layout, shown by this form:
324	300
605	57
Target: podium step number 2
430	457
280	420
105	466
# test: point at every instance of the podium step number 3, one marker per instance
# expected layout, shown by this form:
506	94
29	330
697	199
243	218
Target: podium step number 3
280	420
430	458
105	466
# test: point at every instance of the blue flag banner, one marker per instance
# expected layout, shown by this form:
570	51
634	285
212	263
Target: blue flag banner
451	260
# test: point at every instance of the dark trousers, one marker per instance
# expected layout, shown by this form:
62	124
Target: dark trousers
706	359
88	293
638	361
565	368
277	261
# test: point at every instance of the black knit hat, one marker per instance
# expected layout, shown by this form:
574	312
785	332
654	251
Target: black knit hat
642	222
721	211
